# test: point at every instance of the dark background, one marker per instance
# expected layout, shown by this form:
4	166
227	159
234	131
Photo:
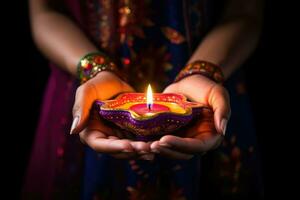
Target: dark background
27	72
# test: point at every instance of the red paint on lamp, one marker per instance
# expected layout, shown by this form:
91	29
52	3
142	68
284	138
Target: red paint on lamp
142	108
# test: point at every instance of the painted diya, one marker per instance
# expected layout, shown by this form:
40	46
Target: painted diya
151	115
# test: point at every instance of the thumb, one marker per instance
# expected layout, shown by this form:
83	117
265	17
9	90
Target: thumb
84	99
220	103
173	88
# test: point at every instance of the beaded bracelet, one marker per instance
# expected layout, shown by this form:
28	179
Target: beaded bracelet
93	63
204	68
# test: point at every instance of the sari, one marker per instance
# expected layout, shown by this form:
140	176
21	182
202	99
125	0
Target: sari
152	41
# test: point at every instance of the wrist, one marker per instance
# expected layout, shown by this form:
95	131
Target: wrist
196	79
95	63
106	75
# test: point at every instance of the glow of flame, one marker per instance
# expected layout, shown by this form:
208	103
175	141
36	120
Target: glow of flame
149	97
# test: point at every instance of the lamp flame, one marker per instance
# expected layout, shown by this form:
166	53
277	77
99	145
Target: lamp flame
149	97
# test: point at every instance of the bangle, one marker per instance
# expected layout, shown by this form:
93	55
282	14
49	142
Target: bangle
93	63
204	68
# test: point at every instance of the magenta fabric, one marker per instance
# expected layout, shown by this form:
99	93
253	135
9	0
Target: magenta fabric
54	121
47	148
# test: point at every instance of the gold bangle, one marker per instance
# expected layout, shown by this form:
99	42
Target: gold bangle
93	63
204	68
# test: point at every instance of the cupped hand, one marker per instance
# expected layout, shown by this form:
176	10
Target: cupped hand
93	130
207	131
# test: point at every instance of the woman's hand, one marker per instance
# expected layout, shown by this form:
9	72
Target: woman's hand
92	130
208	131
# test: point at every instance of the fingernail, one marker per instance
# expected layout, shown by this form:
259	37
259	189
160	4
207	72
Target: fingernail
74	124
127	151
143	152
164	145
147	157
224	126
155	151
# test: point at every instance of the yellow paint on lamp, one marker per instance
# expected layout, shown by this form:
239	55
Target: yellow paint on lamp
174	107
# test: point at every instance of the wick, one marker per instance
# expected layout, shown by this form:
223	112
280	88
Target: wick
149	107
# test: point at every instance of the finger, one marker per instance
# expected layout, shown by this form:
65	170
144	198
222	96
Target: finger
202	143
170	153
84	99
113	137
173	88
220	103
203	124
100	143
141	147
127	88
96	123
